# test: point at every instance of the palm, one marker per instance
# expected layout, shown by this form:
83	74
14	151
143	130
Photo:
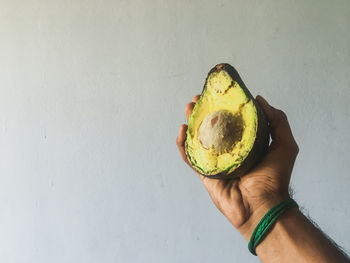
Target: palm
228	198
235	198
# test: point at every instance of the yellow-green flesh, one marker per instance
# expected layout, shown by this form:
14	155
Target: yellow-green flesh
221	93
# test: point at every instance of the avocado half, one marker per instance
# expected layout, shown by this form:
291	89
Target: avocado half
227	132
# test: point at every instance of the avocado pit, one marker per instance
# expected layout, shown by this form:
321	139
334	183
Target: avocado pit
220	130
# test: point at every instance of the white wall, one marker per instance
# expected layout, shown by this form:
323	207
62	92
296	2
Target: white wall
92	94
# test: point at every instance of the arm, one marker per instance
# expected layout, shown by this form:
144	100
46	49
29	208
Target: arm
293	238
244	201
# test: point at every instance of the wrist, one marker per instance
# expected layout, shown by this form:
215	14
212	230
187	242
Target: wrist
258	209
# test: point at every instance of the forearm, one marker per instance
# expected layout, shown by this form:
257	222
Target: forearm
293	238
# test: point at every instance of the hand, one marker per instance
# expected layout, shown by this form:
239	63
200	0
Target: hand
245	200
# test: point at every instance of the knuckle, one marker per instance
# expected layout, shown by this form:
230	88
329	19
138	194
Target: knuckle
296	148
293	148
282	114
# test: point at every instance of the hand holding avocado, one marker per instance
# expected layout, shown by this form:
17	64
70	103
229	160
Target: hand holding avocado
244	200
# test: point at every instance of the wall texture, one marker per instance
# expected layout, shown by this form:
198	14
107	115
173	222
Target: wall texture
92	94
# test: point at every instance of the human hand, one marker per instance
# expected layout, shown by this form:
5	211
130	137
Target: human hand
245	200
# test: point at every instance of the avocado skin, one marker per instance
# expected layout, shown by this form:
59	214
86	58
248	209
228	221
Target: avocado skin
262	139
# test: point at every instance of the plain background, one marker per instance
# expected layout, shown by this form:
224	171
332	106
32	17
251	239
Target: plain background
92	94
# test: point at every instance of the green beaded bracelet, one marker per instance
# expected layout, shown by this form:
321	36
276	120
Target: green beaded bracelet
267	221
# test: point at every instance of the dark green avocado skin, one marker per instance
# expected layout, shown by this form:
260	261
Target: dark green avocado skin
262	137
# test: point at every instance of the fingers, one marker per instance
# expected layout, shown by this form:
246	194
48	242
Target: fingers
188	109
281	131
277	120
190	106
196	98
267	108
180	142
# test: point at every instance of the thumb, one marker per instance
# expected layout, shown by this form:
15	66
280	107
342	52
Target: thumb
278	122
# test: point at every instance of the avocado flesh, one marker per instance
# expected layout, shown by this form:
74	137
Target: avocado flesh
221	149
